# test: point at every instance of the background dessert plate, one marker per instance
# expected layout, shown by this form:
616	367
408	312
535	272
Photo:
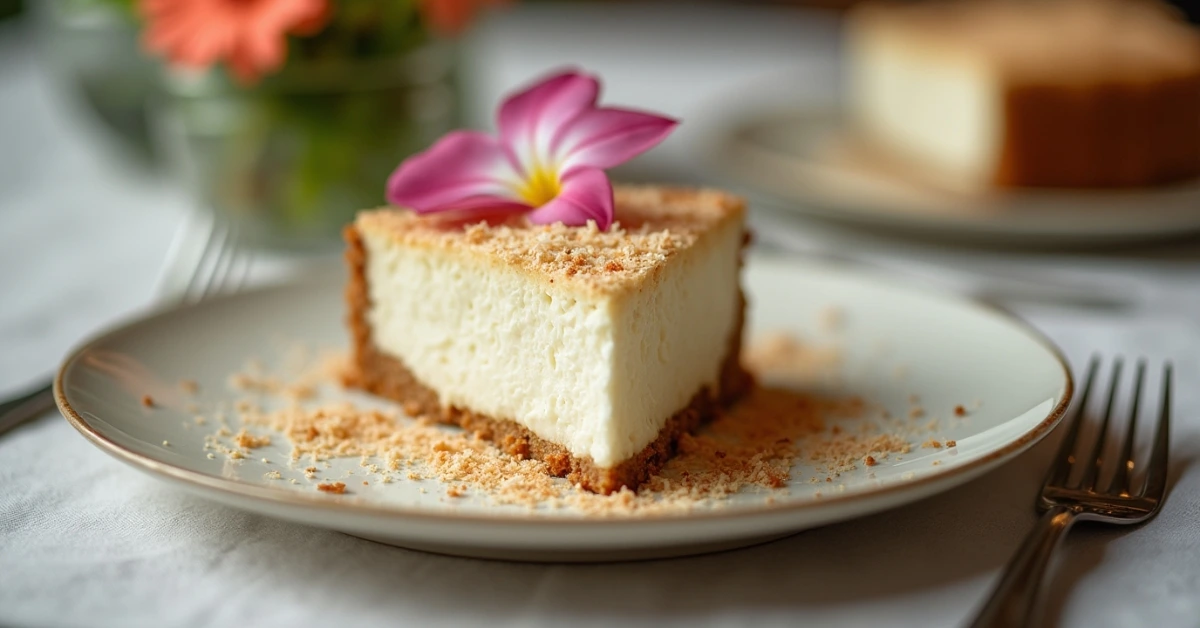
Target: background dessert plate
894	346
798	159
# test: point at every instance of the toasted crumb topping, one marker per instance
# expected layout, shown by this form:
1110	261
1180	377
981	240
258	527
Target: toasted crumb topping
652	224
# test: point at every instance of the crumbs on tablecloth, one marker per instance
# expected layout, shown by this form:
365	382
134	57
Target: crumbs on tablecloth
337	488
148	401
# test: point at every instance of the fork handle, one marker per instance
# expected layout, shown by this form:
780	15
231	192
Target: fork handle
1014	599
14	412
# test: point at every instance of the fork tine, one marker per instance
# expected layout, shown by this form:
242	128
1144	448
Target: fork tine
224	253
240	271
243	274
1065	459
1156	468
227	257
206	264
1090	473
1120	480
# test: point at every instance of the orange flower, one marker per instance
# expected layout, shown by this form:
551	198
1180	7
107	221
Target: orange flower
450	17
249	35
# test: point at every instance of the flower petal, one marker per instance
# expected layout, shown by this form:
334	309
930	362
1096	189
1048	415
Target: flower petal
465	170
586	195
530	120
489	209
603	138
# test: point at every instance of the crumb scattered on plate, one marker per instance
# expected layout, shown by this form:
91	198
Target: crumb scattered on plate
749	448
783	355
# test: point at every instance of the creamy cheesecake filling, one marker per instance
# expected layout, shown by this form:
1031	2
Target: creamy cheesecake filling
944	110
1058	93
596	372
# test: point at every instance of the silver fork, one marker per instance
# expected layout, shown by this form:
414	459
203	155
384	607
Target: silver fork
189	276
1064	502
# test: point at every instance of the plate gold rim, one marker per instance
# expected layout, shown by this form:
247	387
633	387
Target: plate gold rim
290	498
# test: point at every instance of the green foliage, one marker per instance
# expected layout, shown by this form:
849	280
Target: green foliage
10	8
365	28
124	6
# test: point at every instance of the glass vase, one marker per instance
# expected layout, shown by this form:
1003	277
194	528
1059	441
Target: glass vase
290	160
92	51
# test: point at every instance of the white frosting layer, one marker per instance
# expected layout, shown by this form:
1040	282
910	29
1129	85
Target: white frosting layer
595	373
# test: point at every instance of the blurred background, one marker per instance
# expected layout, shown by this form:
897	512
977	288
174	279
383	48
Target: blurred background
289	143
119	119
292	152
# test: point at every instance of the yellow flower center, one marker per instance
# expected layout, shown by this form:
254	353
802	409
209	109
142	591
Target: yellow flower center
541	187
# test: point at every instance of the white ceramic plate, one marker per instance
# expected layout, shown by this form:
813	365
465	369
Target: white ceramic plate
953	351
787	157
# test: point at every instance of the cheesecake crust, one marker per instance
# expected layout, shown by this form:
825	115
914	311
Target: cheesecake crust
374	371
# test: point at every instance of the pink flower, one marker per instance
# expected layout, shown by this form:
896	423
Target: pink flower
549	159
250	35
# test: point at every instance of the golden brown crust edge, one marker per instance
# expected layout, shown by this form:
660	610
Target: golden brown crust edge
384	375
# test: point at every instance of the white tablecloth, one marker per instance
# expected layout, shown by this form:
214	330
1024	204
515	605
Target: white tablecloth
86	541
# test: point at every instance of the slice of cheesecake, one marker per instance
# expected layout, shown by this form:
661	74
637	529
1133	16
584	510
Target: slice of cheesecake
594	351
978	94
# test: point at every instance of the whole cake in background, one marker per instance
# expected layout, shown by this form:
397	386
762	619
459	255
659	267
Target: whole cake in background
514	293
980	94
